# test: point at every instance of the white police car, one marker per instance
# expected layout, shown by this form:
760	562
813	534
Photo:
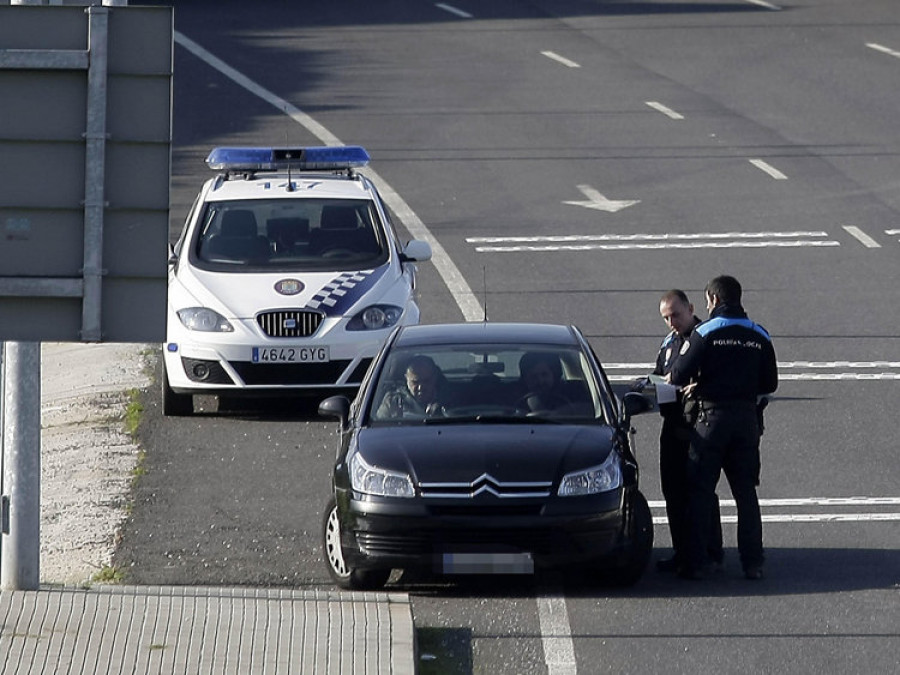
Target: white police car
287	277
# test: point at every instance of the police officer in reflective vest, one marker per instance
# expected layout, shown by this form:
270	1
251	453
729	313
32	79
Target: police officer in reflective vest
674	437
733	362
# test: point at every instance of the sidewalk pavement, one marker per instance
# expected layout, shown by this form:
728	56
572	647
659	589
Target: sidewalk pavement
186	629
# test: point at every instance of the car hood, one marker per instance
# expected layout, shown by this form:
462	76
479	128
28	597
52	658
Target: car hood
242	296
507	453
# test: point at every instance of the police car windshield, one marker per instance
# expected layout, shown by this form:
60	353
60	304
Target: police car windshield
282	235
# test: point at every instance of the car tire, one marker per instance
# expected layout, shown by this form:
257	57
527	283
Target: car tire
342	574
173	404
631	569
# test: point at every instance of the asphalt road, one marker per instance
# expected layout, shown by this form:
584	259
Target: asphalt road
695	138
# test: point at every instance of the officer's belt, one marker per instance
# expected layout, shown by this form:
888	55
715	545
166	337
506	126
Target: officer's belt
734	404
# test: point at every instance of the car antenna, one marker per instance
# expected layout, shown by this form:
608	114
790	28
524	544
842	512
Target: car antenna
290	184
484	284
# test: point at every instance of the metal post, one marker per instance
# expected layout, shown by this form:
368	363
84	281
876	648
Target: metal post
21	532
95	174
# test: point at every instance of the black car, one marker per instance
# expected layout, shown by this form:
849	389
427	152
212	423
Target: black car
485	448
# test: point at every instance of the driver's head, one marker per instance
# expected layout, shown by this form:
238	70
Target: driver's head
422	379
540	371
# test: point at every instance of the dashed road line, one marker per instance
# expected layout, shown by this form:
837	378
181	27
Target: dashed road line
884	50
453	10
861	236
665	110
561	59
768	168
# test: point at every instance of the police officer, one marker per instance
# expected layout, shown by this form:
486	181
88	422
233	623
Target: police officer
733	362
674	438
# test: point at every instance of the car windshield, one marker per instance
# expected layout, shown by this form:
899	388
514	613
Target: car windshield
289	235
486	384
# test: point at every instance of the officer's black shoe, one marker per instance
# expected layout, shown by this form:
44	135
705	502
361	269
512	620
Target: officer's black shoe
667	565
753	572
693	573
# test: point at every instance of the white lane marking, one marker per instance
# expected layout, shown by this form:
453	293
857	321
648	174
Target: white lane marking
768	168
865	239
857	502
807	501
587	242
781	365
453	278
892	232
665	236
763	3
453	10
556	635
665	110
669	245
881	48
639	370
810	518
561	59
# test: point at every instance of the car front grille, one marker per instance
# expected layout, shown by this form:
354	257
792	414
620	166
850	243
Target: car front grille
427	542
289	323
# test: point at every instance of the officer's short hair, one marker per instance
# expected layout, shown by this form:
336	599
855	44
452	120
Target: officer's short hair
727	288
674	293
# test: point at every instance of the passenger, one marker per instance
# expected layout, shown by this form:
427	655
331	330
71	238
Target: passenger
541	382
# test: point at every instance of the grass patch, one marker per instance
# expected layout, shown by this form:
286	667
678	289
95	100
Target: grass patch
108	575
134	412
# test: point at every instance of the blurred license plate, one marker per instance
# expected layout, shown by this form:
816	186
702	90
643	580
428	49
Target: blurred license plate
290	355
487	563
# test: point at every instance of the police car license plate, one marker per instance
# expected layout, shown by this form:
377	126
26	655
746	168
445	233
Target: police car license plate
290	355
487	563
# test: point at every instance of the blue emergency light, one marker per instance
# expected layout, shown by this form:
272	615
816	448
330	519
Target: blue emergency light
299	158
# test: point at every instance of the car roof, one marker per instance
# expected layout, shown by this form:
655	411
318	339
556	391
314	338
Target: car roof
486	332
271	185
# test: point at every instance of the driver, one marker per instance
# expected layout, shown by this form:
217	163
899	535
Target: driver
541	381
422	394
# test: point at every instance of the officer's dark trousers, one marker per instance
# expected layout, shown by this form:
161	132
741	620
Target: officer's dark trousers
725	438
674	443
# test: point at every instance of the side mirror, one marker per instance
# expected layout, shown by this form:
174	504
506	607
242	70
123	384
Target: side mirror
172	257
416	250
336	406
635	403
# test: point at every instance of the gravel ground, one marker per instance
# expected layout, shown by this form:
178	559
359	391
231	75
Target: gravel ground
86	454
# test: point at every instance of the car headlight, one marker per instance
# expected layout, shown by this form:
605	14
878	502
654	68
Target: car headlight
205	320
592	481
375	317
373	480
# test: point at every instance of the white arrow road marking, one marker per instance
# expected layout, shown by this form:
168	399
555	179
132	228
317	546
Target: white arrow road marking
453	10
561	59
865	239
597	201
881	48
768	168
665	110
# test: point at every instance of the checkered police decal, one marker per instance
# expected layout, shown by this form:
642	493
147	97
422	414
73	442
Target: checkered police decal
339	294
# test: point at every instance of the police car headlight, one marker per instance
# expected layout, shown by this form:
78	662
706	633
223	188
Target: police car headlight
205	320
375	318
597	479
373	480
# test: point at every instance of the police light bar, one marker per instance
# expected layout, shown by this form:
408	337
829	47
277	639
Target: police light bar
300	158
